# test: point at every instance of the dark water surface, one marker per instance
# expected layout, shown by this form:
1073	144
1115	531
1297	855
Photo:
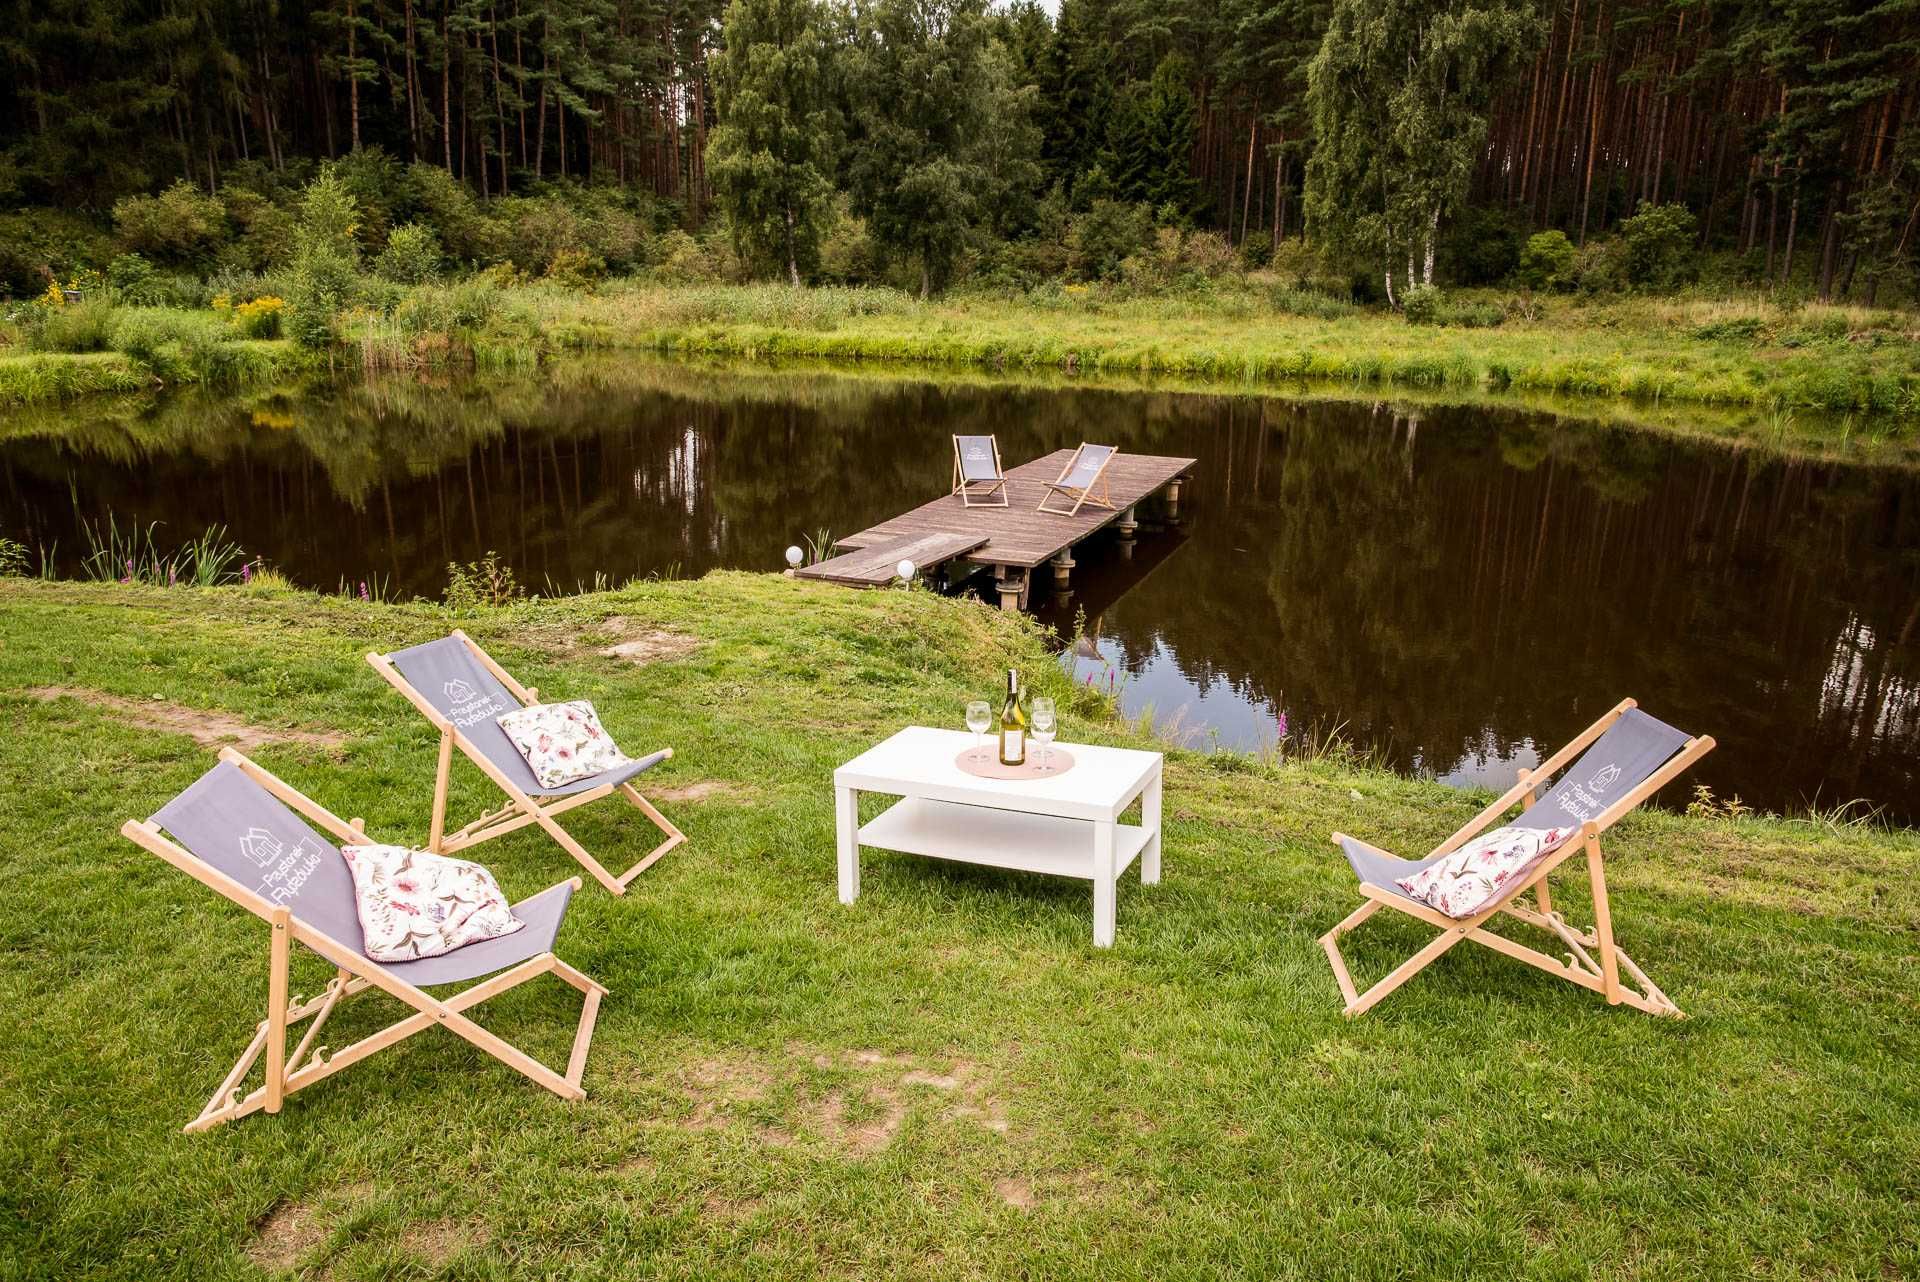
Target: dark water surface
1452	587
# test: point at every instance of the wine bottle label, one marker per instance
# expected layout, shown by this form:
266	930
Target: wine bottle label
1015	744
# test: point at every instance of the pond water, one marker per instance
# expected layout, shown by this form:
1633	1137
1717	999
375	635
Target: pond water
1447	587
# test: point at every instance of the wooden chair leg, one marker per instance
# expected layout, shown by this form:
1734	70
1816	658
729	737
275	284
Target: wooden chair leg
673	835
1603	920
1404	971
282	947
442	776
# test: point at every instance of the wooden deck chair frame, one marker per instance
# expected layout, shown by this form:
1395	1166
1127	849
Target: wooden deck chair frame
310	1063
1096	491
995	492
522	808
1581	967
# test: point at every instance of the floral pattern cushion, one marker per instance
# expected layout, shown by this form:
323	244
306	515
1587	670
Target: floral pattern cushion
1467	880
414	904
562	742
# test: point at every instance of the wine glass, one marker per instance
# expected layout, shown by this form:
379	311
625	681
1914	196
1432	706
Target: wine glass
979	717
1044	725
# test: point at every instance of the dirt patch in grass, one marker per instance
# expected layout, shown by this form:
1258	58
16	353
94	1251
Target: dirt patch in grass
718	1084
206	728
435	1242
859	1131
731	1210
1015	1192
697	791
638	644
288	1235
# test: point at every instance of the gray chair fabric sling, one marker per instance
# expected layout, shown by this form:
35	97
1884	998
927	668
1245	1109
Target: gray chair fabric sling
977	476
462	691
1081	481
1622	759
252	838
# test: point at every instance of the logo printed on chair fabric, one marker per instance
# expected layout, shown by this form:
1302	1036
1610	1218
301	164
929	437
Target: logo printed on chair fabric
1603	780
287	870
470	707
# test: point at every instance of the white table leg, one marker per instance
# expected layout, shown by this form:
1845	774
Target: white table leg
1103	885
1150	820
847	832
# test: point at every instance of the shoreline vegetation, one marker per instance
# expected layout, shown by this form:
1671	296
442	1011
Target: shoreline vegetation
1809	377
892	1082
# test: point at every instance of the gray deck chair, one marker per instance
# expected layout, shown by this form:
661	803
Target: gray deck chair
977	476
241	831
461	690
1082	480
1624	758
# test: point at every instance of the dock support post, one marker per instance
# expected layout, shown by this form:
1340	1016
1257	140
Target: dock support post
1173	499
1128	523
1011	582
1063	566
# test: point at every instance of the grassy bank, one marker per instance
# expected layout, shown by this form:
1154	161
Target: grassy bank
38	378
943	1080
1740	352
1856	368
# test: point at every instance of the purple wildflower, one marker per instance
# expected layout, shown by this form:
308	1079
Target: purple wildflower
1280	725
128	576
364	594
246	572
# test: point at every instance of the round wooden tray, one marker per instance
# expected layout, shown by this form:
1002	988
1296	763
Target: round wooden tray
985	763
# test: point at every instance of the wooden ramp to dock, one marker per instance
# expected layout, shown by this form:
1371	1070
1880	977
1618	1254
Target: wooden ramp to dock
872	565
1016	538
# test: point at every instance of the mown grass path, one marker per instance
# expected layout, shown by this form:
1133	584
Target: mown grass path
944	1080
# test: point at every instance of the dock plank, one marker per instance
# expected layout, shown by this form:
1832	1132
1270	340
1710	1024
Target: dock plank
1018	535
871	566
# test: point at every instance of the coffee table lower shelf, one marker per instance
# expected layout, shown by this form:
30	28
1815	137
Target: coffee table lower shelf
997	838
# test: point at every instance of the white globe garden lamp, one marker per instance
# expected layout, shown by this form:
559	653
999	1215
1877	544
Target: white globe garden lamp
905	570
795	556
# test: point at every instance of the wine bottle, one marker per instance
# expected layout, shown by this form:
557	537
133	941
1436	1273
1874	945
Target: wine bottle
1013	724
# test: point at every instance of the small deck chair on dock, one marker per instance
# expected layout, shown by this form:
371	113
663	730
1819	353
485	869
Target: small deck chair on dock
977	477
1082	480
1624	758
461	690
241	832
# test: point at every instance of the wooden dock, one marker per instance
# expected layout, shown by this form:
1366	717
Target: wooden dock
1013	540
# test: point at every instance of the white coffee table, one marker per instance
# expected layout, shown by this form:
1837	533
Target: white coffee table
1065	825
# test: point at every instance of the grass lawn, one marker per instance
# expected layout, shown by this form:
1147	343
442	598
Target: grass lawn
943	1080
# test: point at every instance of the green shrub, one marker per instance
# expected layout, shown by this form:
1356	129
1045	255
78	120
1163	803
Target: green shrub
1104	237
1547	261
266	232
181	225
1659	246
575	269
134	280
684	260
438	200
1423	305
156	337
77	327
1481	246
1256	250
412	255
326	260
